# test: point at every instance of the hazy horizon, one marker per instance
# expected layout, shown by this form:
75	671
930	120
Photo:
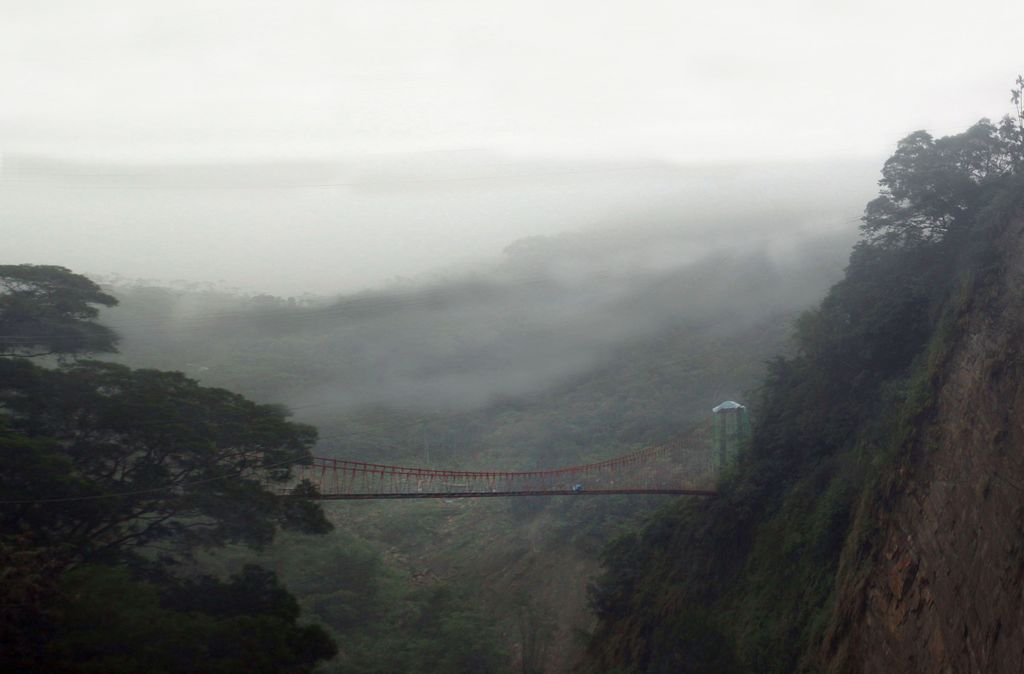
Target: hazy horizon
330	147
338	227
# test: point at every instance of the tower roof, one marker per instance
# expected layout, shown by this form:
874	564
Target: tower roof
726	406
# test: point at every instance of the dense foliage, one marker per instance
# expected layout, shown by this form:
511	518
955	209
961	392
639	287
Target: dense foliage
48	310
380	618
142	457
110	479
746	582
107	621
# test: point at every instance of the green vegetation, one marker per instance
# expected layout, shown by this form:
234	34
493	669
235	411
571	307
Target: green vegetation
111	480
119	486
520	566
747	582
105	620
380	618
47	310
523	367
144	458
159	561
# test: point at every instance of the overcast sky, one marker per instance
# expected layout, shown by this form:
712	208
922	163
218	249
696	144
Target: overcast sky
676	80
447	129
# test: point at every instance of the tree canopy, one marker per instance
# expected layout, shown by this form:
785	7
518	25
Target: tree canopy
931	186
108	621
100	459
46	309
109	478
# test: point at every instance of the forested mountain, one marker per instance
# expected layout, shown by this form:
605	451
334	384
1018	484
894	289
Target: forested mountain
511	337
873	524
140	527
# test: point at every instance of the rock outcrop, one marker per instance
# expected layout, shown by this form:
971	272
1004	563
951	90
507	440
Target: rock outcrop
942	589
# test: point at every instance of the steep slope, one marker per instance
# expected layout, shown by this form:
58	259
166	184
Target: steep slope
943	587
874	523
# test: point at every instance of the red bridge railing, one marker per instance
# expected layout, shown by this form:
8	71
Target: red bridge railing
648	471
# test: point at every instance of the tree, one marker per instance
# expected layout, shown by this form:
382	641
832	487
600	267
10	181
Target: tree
46	310
108	621
930	186
99	461
108	476
1012	126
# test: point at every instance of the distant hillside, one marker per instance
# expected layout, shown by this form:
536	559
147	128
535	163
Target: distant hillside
557	307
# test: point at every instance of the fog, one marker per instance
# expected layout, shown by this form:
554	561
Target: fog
739	80
333	227
432	280
325	147
512	235
441	205
762	244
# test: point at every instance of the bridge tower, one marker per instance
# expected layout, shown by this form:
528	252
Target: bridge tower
730	425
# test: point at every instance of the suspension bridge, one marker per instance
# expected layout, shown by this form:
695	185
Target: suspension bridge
655	470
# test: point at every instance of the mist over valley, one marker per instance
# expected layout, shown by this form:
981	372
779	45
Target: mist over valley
511	337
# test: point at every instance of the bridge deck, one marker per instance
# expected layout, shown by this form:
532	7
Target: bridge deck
646	471
491	494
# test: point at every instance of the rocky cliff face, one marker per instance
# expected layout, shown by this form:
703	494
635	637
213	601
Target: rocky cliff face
875	522
942	588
